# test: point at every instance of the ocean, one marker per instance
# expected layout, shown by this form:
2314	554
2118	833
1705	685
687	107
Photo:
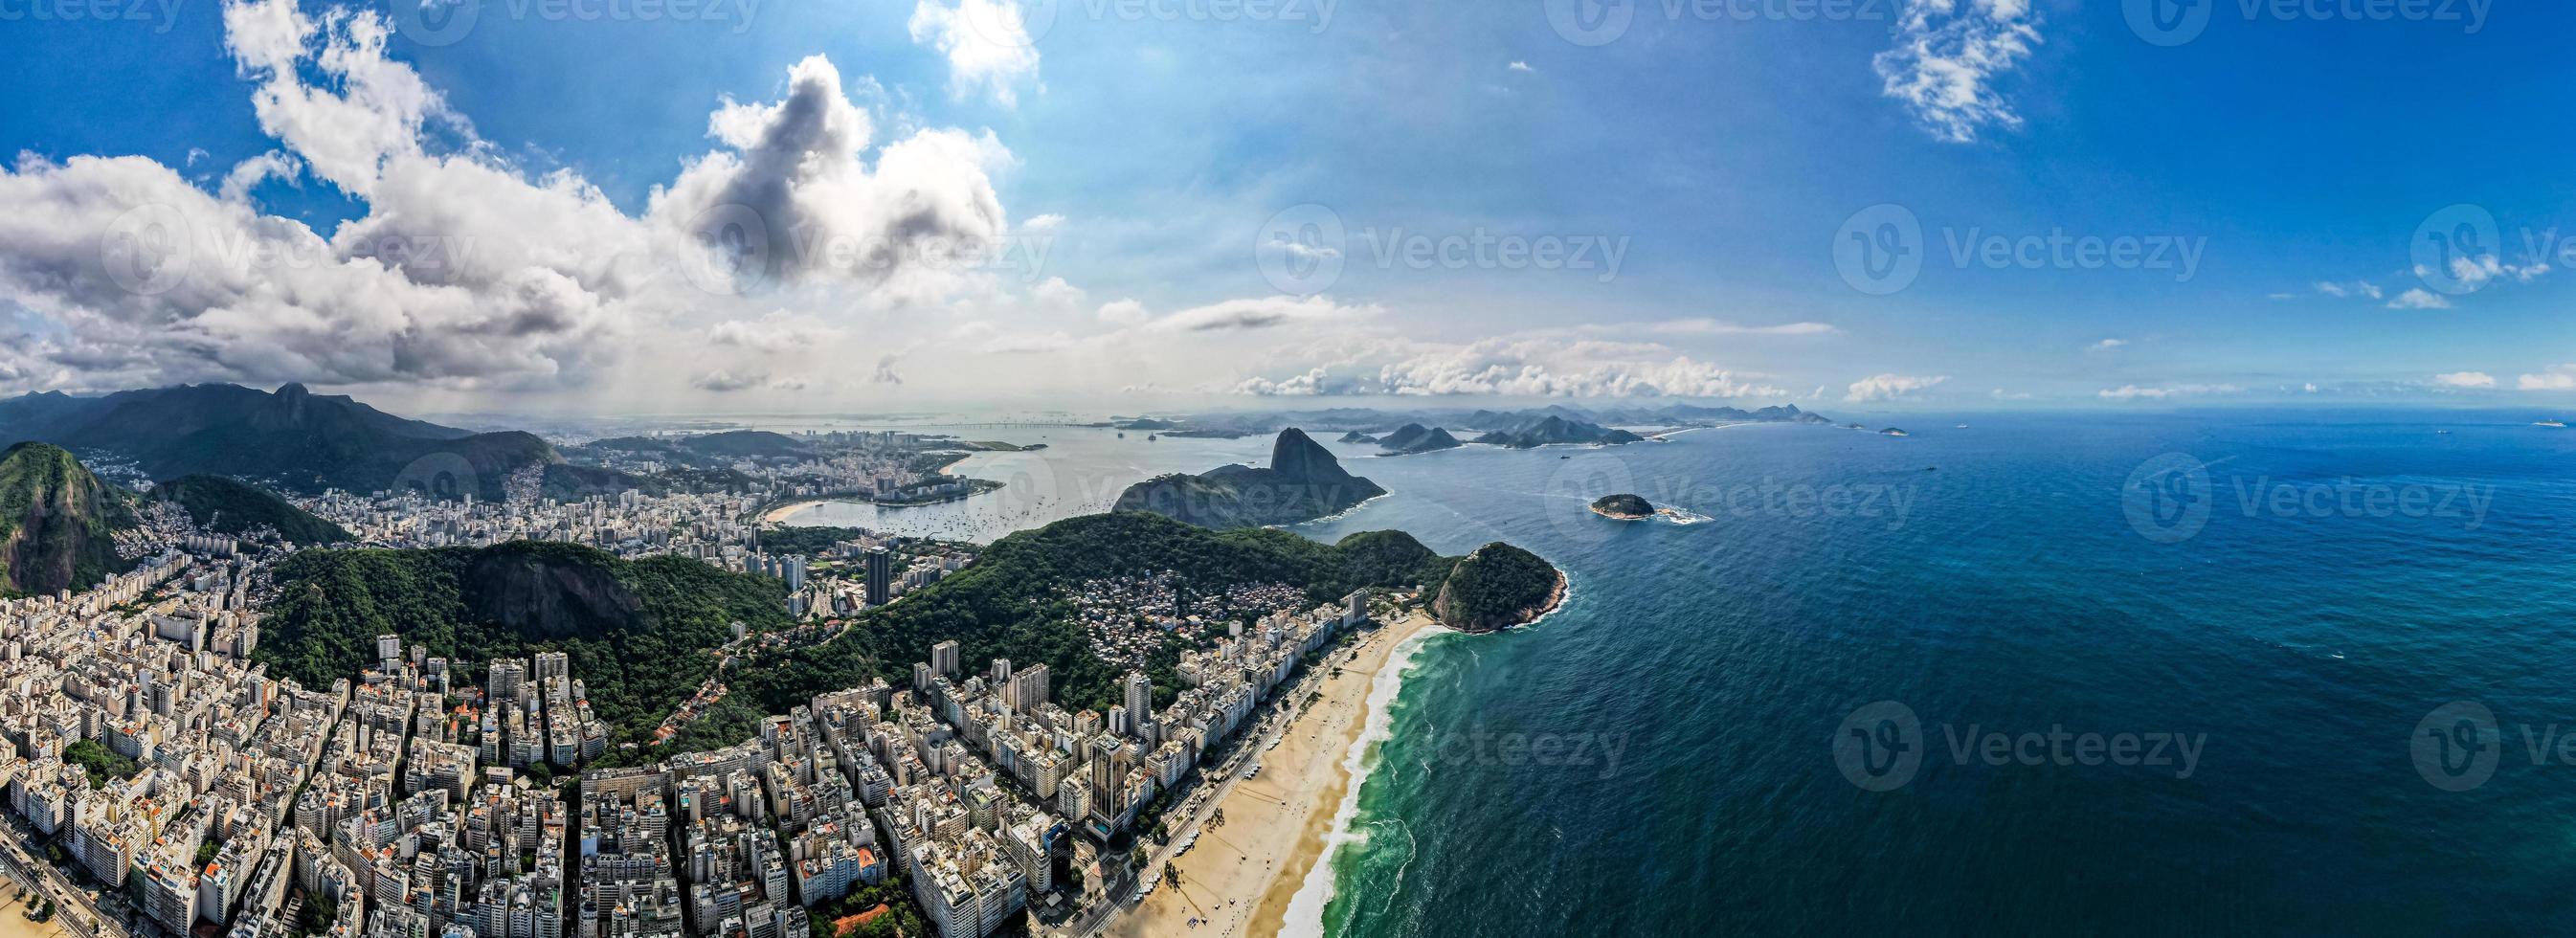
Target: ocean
1668	755
2305	672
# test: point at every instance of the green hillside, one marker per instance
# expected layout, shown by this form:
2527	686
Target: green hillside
228	506
638	631
58	522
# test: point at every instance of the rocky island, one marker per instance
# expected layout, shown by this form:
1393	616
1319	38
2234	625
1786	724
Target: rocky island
1415	438
1497	587
1302	483
1623	507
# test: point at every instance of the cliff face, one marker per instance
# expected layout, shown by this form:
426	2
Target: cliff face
1303	482
542	594
58	522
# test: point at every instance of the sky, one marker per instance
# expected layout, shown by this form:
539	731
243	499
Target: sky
776	206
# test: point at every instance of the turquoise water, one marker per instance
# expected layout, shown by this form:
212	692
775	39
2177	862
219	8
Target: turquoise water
1705	670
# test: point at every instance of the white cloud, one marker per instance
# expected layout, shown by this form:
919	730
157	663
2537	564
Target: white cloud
2466	379
459	270
987	43
1527	365
1260	313
1124	313
1947	56
2131	392
2106	345
2419	298
1520	66
2003	395
775	333
2557	378
2360	288
1889	387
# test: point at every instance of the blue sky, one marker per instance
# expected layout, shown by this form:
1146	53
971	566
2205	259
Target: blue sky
2283	155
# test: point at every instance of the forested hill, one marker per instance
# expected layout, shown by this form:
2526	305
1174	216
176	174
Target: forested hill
1008	605
226	506
58	522
638	631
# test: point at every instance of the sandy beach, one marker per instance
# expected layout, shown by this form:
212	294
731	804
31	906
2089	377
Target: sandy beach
13	917
1239	878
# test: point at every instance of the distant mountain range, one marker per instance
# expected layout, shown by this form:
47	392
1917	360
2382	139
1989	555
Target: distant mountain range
1528	427
1303	482
58	522
297	440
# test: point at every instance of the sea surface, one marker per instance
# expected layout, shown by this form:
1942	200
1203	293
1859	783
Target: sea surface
2243	672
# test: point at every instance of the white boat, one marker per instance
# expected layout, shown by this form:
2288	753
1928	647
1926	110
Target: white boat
2561	424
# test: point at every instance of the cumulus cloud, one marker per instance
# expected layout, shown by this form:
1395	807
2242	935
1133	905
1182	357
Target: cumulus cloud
461	269
2465	379
793	200
1525	365
1946	58
1889	387
775	333
721	381
2419	298
2361	288
987	42
2131	392
2557	378
2106	345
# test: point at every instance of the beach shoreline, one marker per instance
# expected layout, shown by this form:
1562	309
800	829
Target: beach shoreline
1243	874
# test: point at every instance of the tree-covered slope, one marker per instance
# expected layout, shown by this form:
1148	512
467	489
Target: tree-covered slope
58	522
1010	603
1496	587
638	631
228	506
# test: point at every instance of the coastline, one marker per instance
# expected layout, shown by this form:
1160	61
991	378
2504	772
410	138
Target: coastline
1249	875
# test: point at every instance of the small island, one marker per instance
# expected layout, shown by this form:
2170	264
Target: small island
1497	587
1623	507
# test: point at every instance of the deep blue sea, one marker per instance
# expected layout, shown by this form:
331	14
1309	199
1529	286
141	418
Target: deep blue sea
1674	753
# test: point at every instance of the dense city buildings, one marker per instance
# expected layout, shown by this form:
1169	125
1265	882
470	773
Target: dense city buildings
150	756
